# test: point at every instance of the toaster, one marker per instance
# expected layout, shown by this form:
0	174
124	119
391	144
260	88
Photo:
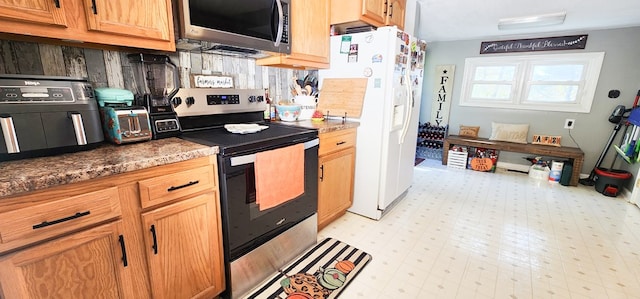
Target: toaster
122	122
125	124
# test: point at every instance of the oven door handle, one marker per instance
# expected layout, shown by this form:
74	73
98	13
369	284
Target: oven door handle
247	159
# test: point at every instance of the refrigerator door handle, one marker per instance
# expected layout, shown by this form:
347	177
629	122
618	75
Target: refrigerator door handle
409	107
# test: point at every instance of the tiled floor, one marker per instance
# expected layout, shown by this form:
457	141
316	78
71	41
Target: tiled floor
466	234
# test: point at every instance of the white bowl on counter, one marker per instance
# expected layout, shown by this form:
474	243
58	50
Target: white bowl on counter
288	112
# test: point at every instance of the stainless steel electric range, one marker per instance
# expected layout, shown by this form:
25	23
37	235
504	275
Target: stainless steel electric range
256	243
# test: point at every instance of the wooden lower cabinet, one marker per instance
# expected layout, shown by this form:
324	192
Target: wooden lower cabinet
88	264
182	248
336	162
170	249
335	185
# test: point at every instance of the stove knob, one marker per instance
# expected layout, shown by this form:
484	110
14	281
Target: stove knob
260	99
190	101
252	99
176	101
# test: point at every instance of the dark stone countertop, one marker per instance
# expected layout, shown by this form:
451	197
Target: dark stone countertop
39	173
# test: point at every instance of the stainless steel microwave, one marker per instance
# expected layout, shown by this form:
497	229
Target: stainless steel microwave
254	24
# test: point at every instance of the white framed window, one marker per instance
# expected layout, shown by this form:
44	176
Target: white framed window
551	82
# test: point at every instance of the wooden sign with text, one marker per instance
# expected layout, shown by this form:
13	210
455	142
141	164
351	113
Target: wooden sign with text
443	87
481	164
535	44
212	81
546	140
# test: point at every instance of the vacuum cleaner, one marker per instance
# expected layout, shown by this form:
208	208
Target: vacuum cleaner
609	181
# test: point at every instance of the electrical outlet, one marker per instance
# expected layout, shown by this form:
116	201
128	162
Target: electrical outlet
569	123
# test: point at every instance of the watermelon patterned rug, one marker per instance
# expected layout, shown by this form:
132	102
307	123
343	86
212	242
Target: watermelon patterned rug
321	272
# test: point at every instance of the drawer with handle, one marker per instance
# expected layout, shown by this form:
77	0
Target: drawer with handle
55	217
165	188
336	140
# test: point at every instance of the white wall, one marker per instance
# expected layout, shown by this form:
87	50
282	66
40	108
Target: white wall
620	70
410	17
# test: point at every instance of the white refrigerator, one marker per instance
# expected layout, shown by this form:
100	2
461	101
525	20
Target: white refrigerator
393	63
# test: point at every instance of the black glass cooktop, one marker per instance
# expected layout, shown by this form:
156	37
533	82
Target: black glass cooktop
209	130
277	135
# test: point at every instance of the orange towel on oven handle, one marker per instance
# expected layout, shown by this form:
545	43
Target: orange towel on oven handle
279	175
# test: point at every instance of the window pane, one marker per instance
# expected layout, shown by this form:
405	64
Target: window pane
553	93
545	82
491	91
567	72
494	73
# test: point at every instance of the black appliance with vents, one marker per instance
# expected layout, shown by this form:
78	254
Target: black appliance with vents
47	115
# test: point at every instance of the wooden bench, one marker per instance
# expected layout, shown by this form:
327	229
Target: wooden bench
575	154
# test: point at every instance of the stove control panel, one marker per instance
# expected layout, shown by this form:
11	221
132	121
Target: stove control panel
226	99
206	101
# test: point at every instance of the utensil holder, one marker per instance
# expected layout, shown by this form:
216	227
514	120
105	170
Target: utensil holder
308	106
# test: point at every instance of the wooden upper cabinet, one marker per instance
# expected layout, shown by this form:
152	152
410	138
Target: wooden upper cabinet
375	10
130	17
396	13
129	23
310	27
349	13
48	12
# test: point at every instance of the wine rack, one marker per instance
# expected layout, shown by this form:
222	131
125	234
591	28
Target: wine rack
430	141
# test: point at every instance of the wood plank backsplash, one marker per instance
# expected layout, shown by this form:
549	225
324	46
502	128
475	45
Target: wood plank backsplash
107	68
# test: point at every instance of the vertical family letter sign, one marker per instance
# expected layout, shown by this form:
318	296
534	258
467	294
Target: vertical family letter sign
442	94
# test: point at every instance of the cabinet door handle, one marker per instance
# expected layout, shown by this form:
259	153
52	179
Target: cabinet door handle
57	3
391	10
322	173
155	239
173	188
48	223
94	8
341	143
385	6
124	250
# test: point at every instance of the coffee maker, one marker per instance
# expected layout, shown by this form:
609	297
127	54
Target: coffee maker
157	82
